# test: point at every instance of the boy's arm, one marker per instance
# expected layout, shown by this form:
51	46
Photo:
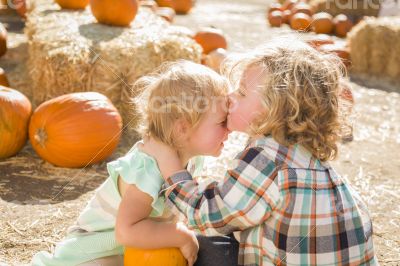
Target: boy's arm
244	199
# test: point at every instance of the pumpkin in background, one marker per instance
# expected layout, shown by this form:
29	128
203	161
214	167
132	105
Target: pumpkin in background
210	39
15	111
288	4
342	25
3	40
275	18
302	8
149	4
338	48
72	4
166	13
215	58
3	78
274	7
180	6
154	257
286	15
322	23
300	22
115	13
320	39
75	130
20	7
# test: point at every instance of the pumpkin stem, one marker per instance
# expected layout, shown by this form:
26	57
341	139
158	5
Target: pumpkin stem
41	137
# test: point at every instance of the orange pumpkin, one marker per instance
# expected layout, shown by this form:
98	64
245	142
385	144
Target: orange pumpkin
3	40
20	7
166	13
72	4
15	110
302	8
286	15
75	130
342	25
115	13
340	49
215	58
320	39
154	257
275	18
274	7
3	78
346	92
288	4
149	4
210	39
322	23
180	6
300	22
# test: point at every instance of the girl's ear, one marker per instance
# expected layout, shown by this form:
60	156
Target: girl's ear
181	129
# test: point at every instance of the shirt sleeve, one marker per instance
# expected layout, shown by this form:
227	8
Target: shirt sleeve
136	168
244	199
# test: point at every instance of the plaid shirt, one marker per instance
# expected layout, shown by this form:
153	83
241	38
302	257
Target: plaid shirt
290	208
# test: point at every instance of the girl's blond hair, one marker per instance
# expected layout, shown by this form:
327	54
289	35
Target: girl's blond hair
300	91
176	90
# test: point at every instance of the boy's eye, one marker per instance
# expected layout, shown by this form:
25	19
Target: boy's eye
223	123
241	93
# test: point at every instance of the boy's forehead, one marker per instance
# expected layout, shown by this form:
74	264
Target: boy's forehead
252	76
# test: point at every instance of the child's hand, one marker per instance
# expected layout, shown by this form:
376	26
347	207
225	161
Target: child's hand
167	157
190	246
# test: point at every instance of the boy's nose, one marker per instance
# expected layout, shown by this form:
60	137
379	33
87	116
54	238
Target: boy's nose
231	101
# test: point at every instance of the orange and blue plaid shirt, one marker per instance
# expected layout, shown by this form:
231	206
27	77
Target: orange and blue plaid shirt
289	208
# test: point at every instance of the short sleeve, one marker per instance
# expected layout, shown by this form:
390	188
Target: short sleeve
139	169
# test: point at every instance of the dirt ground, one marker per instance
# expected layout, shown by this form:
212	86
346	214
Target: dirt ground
38	201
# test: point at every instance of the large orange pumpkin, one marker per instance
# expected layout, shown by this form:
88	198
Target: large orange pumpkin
115	13
300	22
3	78
180	6
75	130
72	4
210	39
15	110
322	23
3	40
154	257
342	25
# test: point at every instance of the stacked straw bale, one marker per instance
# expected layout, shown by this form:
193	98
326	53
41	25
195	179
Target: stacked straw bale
70	52
353	8
375	48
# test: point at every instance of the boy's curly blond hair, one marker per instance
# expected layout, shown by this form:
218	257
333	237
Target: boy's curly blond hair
176	90
300	92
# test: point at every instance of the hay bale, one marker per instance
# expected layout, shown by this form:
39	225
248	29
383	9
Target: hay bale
375	49
355	9
69	52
